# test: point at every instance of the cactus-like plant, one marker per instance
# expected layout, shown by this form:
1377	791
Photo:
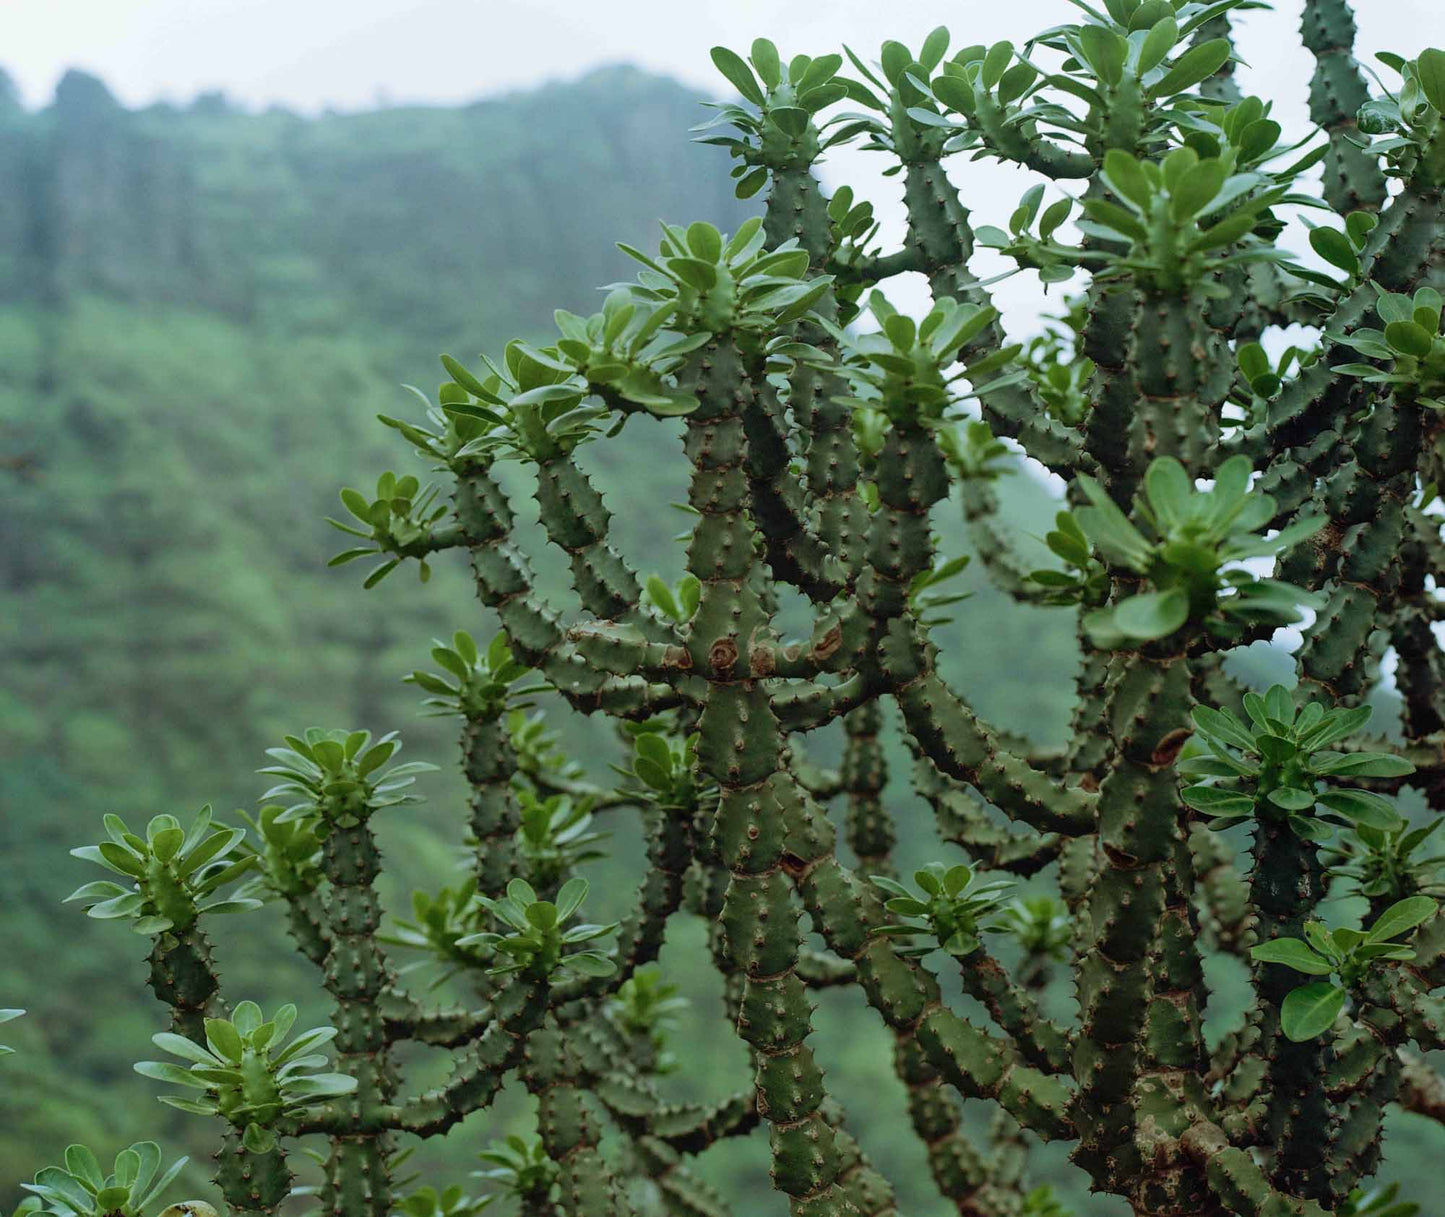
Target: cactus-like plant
81	1188
1217	487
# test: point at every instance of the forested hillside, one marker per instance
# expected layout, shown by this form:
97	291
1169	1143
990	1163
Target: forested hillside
201	313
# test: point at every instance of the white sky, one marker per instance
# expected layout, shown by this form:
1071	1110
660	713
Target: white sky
310	54
313	53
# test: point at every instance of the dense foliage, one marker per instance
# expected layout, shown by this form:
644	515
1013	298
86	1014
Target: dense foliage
1214	496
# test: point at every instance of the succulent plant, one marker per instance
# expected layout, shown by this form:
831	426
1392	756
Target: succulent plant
1216	486
1281	765
175	874
539	934
1346	954
245	1075
1389	863
950	906
520	1167
81	1188
336	776
1198	539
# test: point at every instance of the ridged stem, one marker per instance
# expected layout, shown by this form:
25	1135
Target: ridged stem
357	1178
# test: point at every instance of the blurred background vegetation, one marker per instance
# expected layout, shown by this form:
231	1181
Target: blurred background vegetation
201	313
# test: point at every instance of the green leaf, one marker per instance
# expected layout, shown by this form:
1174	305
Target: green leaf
570	898
1410	338
1362	764
81	1163
319	1086
258	1140
1196	189
179	1045
694	272
246	1017
766	63
172	1075
1293	954
1430	71
1401	916
1223	726
224	1039
704	241
731	65
1153	614
934	47
1105	52
1292	799
1159	41
1335	248
1310	1010
1214	801
589	963
1226	232
791	120
1126	177
1362	807
1335	725
1169	490
1196	64
995	62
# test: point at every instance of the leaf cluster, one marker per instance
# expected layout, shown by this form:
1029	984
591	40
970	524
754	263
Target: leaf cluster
905	369
337	777
536	945
439	923
475	684
81	1188
520	1167
953	908
1410	342
1193	538
1385	863
1280	765
1311	1009
174	874
244	1074
400	522
555	836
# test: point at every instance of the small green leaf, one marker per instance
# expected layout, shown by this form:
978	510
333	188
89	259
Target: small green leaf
1334	247
1293	954
766	63
1401	916
739	75
224	1040
1196	64
1310	1010
1362	807
1409	337
1153	614
1430	71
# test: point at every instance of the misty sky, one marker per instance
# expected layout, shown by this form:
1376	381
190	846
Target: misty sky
347	53
351	54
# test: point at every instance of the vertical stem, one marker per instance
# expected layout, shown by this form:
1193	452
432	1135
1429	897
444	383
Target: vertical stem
740	748
183	976
357	1176
1353	180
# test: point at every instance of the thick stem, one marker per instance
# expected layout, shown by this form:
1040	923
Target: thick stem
357	1175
